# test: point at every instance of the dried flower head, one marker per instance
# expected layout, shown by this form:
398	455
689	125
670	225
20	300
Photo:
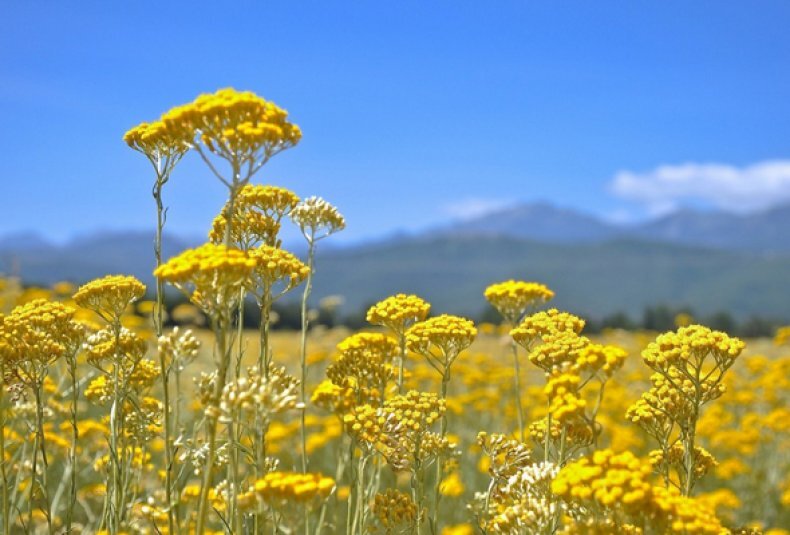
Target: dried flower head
317	218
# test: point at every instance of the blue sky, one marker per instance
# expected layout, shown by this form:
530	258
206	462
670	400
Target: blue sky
412	112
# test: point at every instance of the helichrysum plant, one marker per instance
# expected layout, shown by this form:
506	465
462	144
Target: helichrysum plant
113	420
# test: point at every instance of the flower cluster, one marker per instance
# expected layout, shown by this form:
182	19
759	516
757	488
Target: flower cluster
210	275
276	266
284	487
619	486
36	334
394	509
257	214
398	312
110	296
317	218
441	339
230	123
514	298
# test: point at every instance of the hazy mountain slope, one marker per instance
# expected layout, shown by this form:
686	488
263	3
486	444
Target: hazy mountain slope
762	231
538	221
592	279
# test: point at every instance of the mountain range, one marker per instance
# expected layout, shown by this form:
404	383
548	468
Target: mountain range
710	261
766	231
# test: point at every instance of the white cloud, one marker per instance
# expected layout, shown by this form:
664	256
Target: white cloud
472	207
738	189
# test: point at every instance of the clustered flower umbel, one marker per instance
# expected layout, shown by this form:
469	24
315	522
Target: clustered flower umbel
518	499
35	335
282	488
317	219
394	509
259	394
441	339
276	266
178	348
514	298
618	486
210	275
110	296
398	312
257	216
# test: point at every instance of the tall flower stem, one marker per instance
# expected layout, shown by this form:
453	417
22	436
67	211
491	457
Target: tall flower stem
517	385
164	368
40	448
439	459
402	360
117	450
75	436
220	327
3	471
303	361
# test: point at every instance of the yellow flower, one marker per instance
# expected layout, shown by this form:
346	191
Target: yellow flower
210	274
452	485
273	266
110	296
398	312
514	298
441	338
230	123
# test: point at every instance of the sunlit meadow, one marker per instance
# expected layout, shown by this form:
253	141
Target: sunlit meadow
115	420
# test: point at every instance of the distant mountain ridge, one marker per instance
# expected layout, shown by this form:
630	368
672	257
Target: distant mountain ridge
766	231
708	261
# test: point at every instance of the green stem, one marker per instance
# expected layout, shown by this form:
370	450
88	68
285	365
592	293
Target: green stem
439	458
212	421
72	364
402	345
517	385
303	360
3	471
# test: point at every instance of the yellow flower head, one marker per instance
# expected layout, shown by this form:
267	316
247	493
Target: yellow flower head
691	346
273	201
280	488
231	123
782	336
543	323
449	335
514	298
36	334
596	357
398	312
156	140
274	265
394	509
110	296
257	215
369	345
212	274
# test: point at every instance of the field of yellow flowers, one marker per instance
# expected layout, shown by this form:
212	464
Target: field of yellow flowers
115	421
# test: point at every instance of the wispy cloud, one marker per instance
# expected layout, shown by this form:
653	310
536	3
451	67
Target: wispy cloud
738	189
472	207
